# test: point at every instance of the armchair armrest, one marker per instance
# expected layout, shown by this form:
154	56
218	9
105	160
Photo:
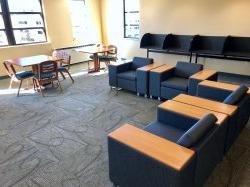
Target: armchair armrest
139	158
164	151
204	74
207	104
149	67
191	111
142	75
114	69
158	75
195	79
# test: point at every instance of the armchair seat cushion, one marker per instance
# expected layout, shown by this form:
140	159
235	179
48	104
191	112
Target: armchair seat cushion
165	131
24	74
128	75
45	76
176	83
61	68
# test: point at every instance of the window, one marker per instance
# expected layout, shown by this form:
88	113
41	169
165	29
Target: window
79	19
131	19
21	22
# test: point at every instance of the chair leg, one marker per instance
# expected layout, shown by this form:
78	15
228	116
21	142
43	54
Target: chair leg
11	81
59	84
62	75
41	90
34	84
20	85
70	76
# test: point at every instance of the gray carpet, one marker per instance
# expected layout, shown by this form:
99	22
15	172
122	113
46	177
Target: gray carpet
61	140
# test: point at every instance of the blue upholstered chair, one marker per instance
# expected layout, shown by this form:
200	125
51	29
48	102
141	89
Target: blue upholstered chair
125	75
173	82
17	76
238	97
128	167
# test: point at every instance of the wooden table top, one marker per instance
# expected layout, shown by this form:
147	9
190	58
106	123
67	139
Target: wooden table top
30	61
191	111
150	67
94	49
163	68
160	149
207	104
221	85
204	74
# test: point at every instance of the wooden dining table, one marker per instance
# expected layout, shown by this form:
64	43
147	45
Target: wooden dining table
94	50
31	61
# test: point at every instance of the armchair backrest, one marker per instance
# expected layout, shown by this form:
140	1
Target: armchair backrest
197	131
139	62
186	69
236	95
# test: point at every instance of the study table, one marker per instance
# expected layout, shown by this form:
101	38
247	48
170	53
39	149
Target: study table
94	50
31	61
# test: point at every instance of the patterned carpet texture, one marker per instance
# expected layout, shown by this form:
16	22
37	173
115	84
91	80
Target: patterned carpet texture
61	140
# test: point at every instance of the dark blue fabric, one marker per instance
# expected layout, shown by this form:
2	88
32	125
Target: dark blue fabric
176	83
165	131
114	70
142	81
192	86
128	75
174	119
103	57
126	84
45	76
23	75
196	132
154	84
212	93
131	168
236	96
155	80
170	93
139	62
61	68
186	69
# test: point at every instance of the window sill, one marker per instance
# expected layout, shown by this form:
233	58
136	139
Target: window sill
25	45
132	39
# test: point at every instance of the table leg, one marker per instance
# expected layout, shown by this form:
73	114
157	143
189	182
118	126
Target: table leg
96	64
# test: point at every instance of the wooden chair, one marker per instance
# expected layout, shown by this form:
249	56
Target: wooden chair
64	64
16	76
47	72
109	56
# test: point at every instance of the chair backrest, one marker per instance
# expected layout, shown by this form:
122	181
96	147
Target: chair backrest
47	67
140	62
112	51
186	69
64	55
10	69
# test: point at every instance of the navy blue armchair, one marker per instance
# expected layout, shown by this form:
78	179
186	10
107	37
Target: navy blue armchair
126	76
239	97
173	82
131	167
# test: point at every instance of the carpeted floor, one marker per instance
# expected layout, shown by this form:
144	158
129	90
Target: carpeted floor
61	140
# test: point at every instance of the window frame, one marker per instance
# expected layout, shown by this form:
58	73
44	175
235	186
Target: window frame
9	29
124	21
